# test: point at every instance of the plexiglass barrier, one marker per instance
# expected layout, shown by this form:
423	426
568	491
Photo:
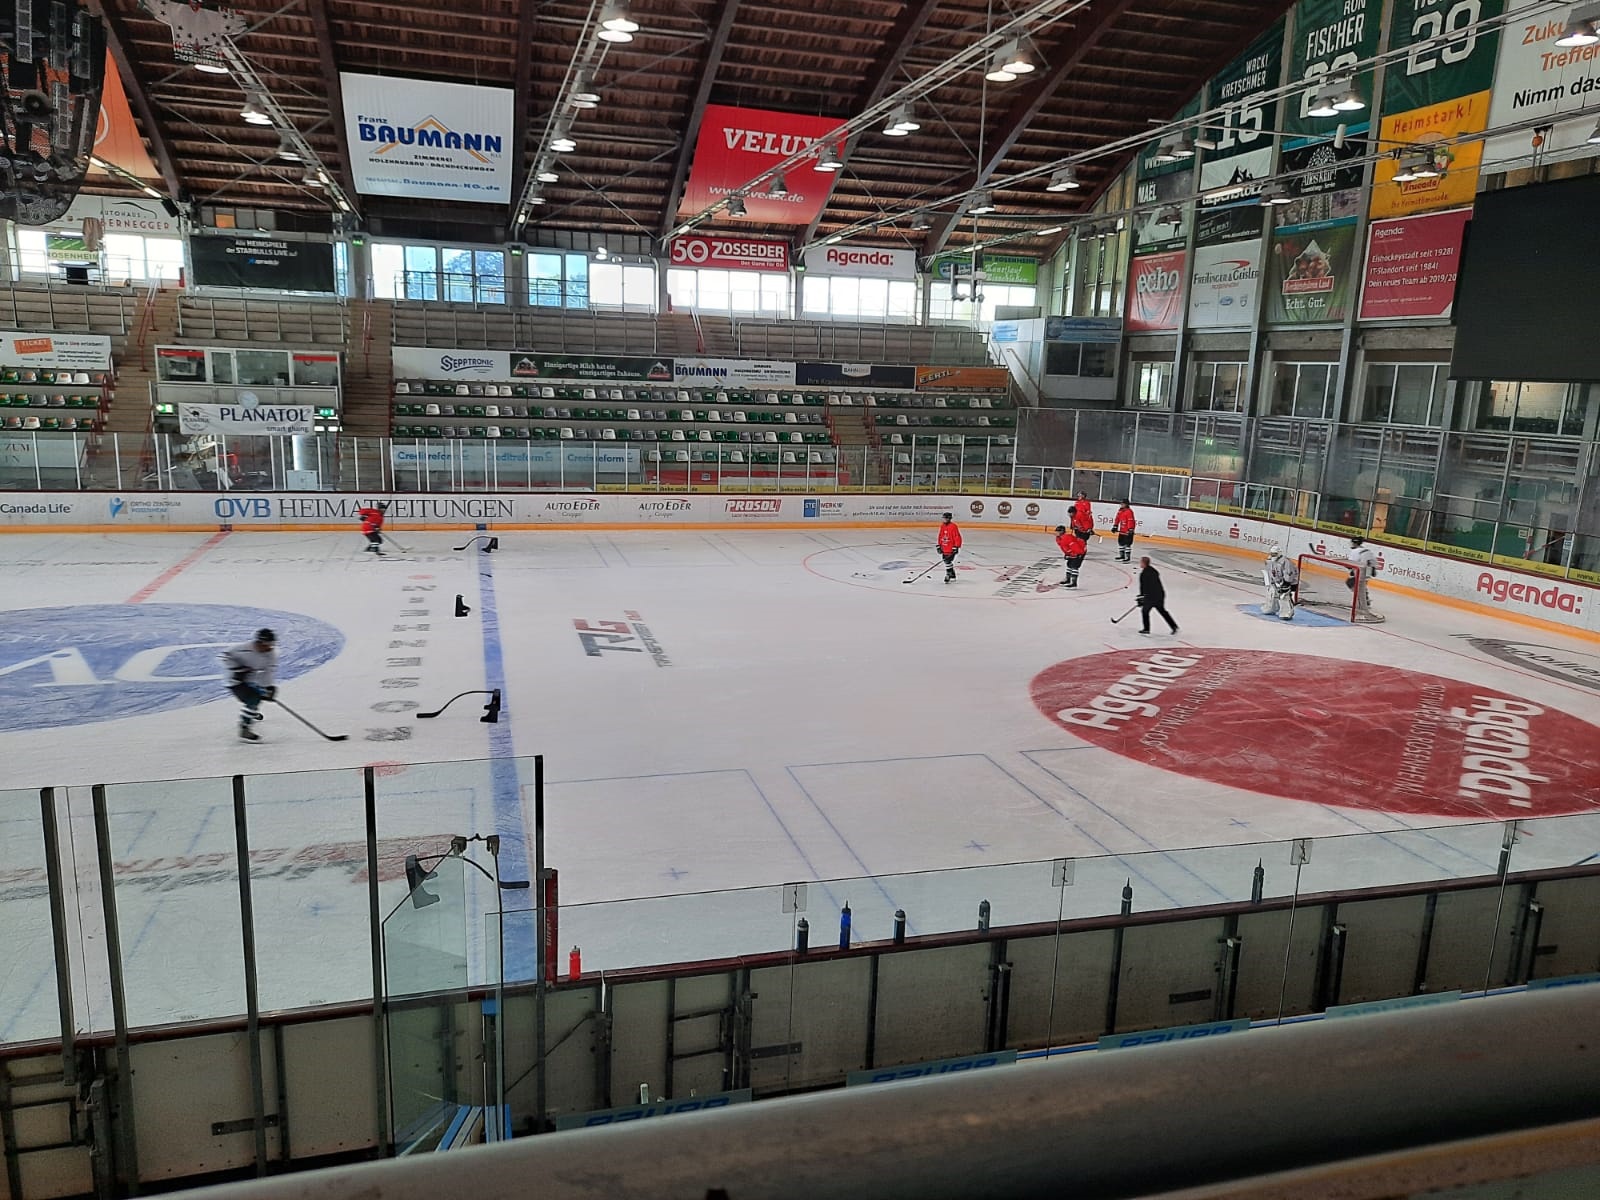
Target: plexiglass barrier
168	942
1478	495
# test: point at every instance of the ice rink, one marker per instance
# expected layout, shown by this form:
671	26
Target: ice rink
735	710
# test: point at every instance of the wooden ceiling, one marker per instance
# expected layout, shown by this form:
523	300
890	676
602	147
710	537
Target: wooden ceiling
1107	71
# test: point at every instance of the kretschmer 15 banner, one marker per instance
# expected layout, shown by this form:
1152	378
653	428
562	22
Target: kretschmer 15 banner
414	137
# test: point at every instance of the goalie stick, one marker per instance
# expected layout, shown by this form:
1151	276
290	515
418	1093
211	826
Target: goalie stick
332	737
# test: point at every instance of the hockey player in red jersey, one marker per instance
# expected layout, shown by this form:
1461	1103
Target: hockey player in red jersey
1081	517
1073	548
949	546
1123	524
372	525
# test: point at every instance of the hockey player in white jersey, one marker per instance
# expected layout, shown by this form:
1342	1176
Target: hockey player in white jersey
252	674
1281	577
1362	556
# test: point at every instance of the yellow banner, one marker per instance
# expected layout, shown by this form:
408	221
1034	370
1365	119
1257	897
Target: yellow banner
1429	130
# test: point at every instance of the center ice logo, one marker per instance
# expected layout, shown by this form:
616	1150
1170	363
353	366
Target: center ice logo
103	662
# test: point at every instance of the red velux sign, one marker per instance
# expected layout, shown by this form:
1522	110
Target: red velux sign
1411	266
1155	289
737	144
729	253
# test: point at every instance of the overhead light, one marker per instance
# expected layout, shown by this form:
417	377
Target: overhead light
982	202
312	176
1594	138
1273	193
583	94
1403	173
1205	139
1349	98
1000	64
1175	148
536	199
1016	58
736	206
893	130
151	192
562	145
287	150
830	158
1064	180
1580	30
253	112
1322	105
834	240
343	207
778	186
902	120
1425	167
211	68
921	222
600	252
1051	230
545	172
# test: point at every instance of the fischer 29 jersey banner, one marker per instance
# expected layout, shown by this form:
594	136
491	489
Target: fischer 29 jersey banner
1155	288
729	253
737	144
414	137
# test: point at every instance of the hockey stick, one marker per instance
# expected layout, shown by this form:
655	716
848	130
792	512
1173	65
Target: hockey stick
332	737
1114	620
914	578
489	543
390	539
491	710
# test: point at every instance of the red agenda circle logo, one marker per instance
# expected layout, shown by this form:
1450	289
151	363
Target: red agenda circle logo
1324	730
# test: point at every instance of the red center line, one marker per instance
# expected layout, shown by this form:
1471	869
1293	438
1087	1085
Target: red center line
172	572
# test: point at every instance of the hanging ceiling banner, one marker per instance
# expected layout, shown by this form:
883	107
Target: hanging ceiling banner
442	141
1241	157
1163	194
737	144
728	253
866	262
116	138
1155	292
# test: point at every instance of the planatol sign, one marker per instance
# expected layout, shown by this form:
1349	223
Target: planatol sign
738	144
866	262
234	420
415	137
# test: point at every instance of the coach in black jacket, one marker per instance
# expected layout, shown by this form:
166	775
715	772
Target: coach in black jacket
1152	596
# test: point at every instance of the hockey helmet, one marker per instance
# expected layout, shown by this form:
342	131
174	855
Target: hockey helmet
1061	528
266	637
949	516
1275	552
1357	541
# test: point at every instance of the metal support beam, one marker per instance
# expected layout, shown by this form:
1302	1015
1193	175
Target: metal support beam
1063	61
697	109
318	10
899	43
521	99
118	42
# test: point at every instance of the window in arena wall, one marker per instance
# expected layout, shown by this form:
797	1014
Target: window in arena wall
622	288
752	293
1549	408
854	298
1303	389
1152	384
1404	393
942	306
1217	387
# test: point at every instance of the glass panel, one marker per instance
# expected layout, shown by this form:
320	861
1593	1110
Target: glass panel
577	280
28	977
388	270
269	368
544	280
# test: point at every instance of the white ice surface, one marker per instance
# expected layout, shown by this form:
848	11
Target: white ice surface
819	721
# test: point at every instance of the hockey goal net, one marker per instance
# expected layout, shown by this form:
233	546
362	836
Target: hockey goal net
1329	584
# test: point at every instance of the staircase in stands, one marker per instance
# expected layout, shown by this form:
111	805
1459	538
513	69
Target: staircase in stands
368	369
851	426
156	323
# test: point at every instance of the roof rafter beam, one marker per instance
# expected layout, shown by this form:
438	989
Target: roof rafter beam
697	109
118	42
897	45
330	68
521	99
1021	114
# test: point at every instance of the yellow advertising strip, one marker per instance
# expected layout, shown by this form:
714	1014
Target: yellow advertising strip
1434	126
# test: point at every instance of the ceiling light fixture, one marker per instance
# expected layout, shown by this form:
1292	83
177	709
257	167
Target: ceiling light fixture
1017	58
583	94
545	171
921	222
982	202
1349	97
253	112
736	206
1048	232
1273	193
1425	167
1404	171
1064	180
617	23
1175	148
563	144
1322	104
834	240
312	176
779	186
1205	139
287	150
151	192
1580	29
999	69
211	68
830	159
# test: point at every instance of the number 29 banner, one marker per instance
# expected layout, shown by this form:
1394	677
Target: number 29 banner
737	144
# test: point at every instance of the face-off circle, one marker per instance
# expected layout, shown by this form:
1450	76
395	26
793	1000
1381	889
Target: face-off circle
1328	731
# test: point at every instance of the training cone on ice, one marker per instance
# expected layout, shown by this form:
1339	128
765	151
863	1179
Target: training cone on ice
461	606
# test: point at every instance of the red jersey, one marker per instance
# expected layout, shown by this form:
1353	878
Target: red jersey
371	519
1082	515
949	538
1071	544
1124	521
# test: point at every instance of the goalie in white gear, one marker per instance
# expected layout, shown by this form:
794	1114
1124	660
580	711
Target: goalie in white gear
1282	577
1362	556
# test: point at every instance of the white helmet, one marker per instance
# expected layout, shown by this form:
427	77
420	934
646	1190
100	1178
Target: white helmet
1277	552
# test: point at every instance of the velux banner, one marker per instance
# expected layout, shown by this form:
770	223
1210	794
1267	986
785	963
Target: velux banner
737	144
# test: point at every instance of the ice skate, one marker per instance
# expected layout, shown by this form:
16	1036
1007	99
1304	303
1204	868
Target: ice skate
247	734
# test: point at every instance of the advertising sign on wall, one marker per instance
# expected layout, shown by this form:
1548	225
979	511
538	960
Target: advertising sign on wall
79	351
1438	90
591	366
1167	187
235	420
855	375
415	137
1155	292
1222	291
869	262
1230	177
1324	178
1538	82
1309	277
1083	330
997	268
1330	38
220	260
120	214
1411	267
729	253
427	362
732	372
737	144
962	379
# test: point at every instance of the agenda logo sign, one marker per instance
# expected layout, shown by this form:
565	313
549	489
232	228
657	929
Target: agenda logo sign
84	664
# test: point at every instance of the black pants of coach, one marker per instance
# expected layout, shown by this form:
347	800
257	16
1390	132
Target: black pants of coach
1147	607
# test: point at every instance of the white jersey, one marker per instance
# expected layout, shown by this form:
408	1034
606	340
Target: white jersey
1364	557
1281	572
262	667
